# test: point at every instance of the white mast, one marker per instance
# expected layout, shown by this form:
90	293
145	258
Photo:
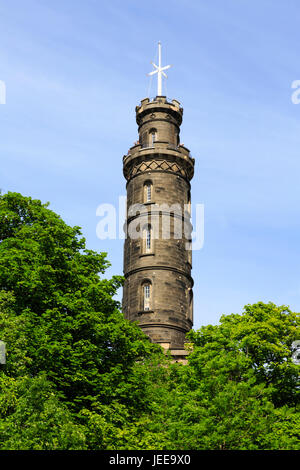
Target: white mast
160	71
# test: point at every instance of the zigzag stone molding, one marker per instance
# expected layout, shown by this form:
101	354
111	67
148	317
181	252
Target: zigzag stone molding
157	165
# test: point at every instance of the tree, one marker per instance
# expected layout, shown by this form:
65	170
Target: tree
36	418
240	389
59	320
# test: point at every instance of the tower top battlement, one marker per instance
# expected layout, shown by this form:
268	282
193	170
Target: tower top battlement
160	100
159	120
159	104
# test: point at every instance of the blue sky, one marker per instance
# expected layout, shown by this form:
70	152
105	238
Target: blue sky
74	72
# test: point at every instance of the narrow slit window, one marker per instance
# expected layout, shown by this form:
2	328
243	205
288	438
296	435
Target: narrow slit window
189	201
147	294
153	136
148	239
191	304
148	192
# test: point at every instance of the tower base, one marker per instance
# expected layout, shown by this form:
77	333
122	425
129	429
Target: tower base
179	355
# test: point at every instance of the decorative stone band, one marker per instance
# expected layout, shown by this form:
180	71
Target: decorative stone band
137	167
154	108
153	211
161	267
160	325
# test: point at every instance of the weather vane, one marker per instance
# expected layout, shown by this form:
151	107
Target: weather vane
160	71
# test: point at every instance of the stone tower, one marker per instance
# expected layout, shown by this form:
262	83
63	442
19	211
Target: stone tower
157	264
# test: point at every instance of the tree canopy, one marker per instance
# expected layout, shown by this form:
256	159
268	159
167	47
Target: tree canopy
241	387
60	322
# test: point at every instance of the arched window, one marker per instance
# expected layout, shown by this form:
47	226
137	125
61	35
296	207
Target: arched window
153	136
147	191
147	295
148	238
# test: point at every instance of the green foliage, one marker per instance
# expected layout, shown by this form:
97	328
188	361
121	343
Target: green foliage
241	388
79	376
256	343
58	318
38	421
